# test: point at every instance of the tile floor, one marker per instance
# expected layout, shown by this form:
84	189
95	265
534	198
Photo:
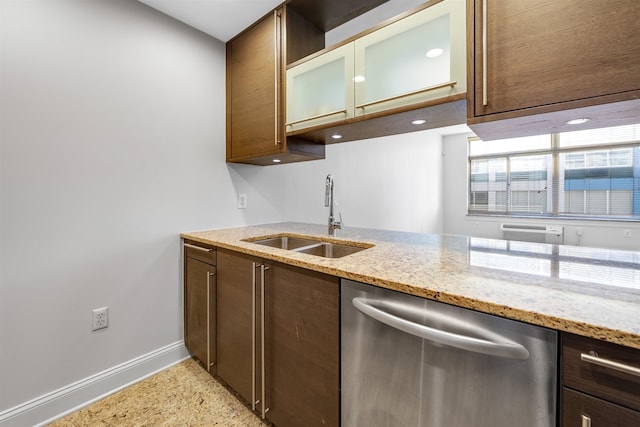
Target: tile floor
182	395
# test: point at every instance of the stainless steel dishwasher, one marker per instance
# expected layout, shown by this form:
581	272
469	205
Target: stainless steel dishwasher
408	361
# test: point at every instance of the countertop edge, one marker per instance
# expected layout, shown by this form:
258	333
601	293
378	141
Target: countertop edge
615	336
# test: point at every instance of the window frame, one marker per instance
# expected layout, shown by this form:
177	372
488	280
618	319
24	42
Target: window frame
555	150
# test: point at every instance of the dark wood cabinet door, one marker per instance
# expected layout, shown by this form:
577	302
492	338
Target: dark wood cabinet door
200	314
235	342
254	82
596	378
546	52
302	347
579	409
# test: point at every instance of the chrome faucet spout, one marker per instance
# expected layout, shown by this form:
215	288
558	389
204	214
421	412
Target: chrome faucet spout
328	202
328	193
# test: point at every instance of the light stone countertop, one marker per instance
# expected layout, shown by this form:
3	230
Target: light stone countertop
586	291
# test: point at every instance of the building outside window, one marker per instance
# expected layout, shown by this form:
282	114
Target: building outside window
586	174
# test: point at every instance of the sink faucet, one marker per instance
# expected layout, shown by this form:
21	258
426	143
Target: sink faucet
328	201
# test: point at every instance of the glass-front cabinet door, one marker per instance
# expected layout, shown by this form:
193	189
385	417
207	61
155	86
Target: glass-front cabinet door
320	90
419	58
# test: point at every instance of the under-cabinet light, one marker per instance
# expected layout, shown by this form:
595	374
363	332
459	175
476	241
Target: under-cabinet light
419	122
358	79
336	136
434	53
578	121
276	160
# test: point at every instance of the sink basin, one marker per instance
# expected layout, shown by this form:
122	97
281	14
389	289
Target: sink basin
309	246
330	250
284	242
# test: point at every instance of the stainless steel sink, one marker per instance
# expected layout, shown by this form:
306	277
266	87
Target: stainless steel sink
284	242
309	246
330	250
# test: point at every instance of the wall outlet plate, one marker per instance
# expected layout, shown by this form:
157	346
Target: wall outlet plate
100	318
242	201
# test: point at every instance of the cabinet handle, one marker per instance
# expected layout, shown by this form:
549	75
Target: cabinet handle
586	420
199	248
593	357
415	92
485	101
253	336
263	268
209	275
319	116
276	44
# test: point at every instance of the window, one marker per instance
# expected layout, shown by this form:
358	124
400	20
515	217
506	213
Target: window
591	173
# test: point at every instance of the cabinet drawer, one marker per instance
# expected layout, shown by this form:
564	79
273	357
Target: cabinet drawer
601	381
579	408
200	251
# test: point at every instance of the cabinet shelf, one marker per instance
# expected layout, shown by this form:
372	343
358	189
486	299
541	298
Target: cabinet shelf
443	112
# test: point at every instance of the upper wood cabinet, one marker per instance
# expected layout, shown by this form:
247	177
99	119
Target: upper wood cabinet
418	60
255	90
320	91
256	61
554	60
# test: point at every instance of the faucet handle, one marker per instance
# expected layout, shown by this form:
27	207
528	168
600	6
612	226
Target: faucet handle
340	223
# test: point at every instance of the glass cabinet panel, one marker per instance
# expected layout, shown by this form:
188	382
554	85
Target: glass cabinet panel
320	90
418	58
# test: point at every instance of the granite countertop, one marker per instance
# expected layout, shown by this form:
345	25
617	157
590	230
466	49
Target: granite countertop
586	291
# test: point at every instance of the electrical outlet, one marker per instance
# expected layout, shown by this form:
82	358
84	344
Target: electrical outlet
626	233
242	201
100	318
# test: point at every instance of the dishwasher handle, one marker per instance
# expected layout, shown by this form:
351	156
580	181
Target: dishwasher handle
494	345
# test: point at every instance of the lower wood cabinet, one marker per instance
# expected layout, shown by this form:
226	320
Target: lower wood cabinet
271	331
582	410
237	320
200	303
278	339
601	383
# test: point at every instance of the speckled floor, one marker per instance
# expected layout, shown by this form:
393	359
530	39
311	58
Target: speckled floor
183	395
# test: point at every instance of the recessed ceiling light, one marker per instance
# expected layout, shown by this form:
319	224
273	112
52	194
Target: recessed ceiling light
434	53
419	122
276	160
578	121
358	79
336	136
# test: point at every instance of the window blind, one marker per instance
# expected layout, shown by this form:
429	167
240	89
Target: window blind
590	173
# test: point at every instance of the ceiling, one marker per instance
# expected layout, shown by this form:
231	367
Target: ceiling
221	19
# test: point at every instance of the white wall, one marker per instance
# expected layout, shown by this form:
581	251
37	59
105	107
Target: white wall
605	234
112	143
389	183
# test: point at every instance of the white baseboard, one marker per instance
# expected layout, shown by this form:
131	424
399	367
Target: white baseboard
51	406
